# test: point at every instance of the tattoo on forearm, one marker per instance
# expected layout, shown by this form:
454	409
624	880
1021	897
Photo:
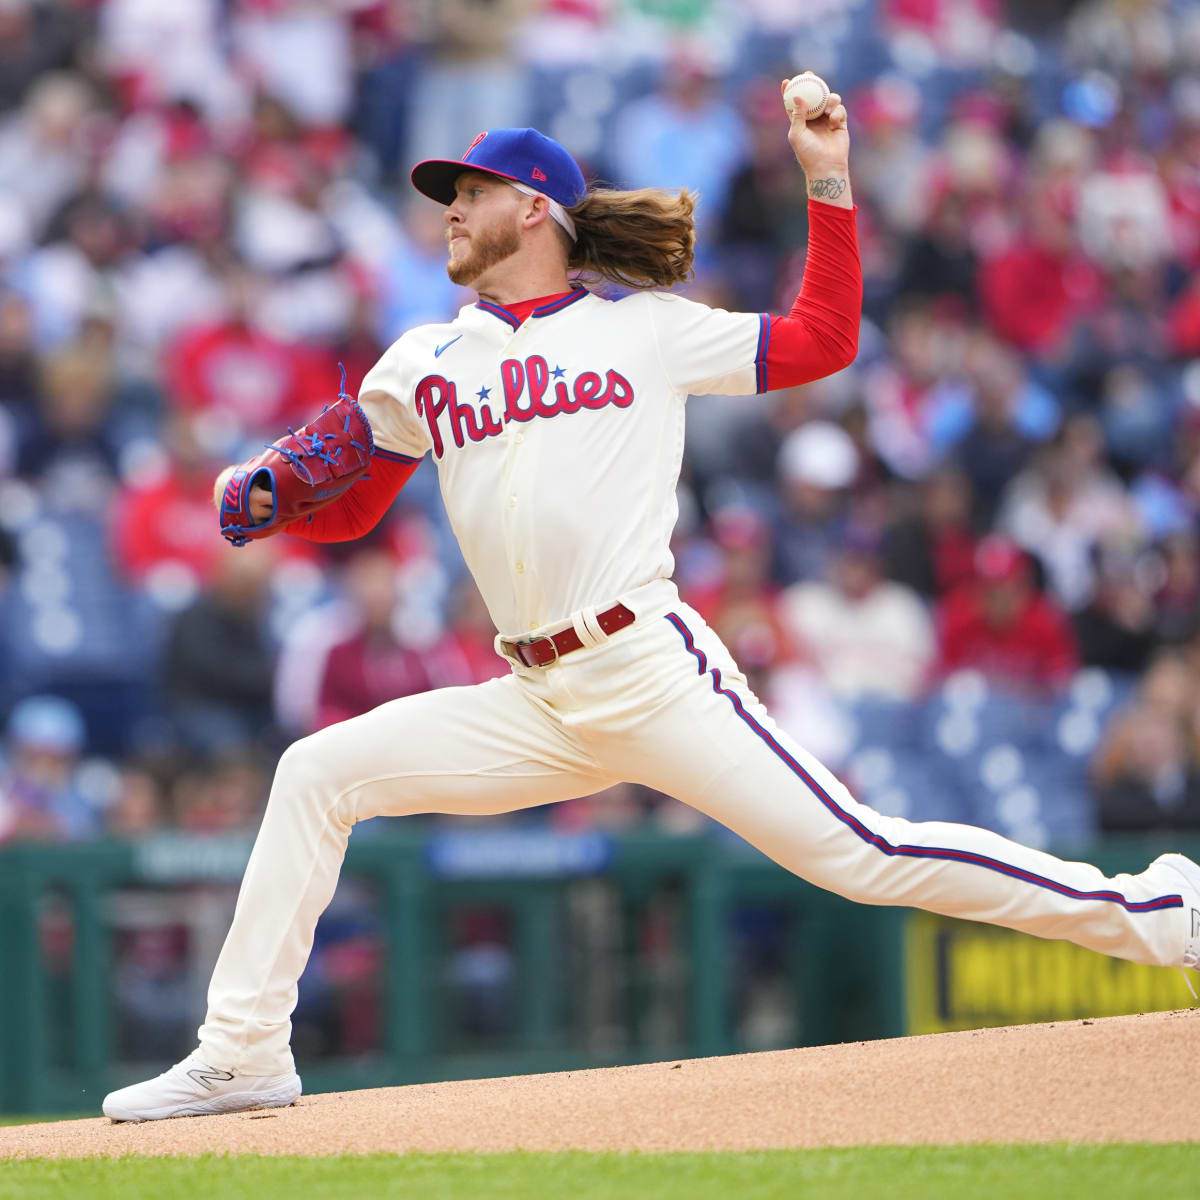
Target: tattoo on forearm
826	189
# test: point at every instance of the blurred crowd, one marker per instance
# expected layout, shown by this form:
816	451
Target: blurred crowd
965	571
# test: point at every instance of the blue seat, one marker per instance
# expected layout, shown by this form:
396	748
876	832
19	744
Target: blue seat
1067	807
71	626
891	723
900	783
1016	812
962	722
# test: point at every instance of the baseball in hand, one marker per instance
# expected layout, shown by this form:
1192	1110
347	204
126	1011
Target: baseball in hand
808	94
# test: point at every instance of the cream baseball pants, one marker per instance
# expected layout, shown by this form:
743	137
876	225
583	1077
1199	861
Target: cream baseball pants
660	703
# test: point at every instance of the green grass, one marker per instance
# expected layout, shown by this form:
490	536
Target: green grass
1127	1172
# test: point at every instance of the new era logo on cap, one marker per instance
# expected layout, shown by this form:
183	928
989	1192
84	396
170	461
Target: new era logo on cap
521	155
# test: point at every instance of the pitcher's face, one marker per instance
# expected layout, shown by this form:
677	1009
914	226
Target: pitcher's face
483	226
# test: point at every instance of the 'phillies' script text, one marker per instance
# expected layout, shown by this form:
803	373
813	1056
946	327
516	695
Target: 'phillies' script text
530	390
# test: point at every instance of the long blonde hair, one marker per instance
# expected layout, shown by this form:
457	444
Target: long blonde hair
639	239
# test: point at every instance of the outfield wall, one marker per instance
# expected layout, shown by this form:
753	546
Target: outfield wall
481	952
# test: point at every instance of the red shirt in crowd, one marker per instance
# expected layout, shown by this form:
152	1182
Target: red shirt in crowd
365	671
1033	296
1034	649
172	520
250	378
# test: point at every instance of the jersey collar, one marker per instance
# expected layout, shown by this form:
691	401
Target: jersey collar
553	305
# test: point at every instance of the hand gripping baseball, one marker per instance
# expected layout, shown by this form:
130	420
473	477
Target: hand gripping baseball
822	144
301	473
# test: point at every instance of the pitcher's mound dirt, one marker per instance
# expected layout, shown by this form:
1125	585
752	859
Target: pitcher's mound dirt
1120	1079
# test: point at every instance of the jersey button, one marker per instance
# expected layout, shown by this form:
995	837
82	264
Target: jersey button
512	502
520	569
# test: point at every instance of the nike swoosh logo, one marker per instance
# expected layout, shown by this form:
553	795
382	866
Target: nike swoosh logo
445	346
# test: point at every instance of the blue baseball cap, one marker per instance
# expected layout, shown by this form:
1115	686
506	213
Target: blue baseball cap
521	155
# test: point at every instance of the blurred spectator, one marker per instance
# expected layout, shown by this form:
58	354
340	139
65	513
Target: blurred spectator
1000	625
1116	629
1008	414
1146	774
187	200
619	808
40	793
1123	217
40	144
243	380
940	260
1064	503
1035	291
764	220
869	636
414	288
35	39
218	664
139	804
8	558
153	52
197	224
742	603
892	163
932	551
751	451
466	652
1184	327
958	32
977	162
907	394
1178	598
75	276
222	796
1120	342
298	52
18	364
818	463
682	135
372	664
468	47
1138	426
165	530
69	442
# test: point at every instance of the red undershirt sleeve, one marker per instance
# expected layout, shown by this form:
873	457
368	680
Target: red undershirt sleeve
360	509
820	335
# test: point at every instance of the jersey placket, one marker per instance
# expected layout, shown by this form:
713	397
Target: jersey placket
518	520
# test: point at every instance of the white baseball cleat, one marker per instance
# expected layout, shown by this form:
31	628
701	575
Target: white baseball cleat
192	1088
1185	875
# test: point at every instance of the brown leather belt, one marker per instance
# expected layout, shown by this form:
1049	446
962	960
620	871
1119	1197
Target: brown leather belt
541	652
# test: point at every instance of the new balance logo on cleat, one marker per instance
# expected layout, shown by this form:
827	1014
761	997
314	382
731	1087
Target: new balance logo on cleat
209	1076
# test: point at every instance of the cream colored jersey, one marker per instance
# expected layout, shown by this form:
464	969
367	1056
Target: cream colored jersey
558	440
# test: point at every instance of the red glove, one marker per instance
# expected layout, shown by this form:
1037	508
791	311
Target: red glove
322	460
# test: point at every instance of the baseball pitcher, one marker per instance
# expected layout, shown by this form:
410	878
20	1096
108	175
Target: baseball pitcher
556	420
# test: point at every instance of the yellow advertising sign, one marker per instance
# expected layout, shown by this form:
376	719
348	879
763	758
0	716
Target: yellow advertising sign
960	975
